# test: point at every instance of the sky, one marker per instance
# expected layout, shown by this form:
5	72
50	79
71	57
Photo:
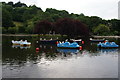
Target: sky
106	9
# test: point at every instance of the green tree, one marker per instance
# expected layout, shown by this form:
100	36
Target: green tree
6	19
31	12
101	29
18	13
4	30
21	29
30	27
12	30
10	3
114	23
19	4
54	14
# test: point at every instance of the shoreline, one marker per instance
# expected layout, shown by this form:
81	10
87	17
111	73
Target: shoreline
18	34
106	36
55	35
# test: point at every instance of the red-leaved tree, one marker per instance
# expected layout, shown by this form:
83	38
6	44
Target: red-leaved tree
71	27
43	27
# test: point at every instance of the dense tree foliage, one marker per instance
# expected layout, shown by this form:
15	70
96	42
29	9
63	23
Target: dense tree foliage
43	27
65	26
102	29
33	18
7	17
71	27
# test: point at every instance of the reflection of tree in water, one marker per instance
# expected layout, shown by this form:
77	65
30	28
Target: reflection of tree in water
51	55
91	47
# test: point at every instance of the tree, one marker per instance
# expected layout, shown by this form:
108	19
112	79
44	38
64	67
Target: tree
30	27
6	19
102	29
54	14
19	4
18	13
31	12
81	29
71	27
10	3
64	26
21	29
12	30
114	23
43	27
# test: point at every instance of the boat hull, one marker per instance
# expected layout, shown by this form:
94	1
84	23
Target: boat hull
48	41
107	47
16	43
97	40
69	47
25	44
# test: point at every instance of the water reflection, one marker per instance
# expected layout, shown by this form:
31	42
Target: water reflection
21	47
47	52
47	48
108	50
51	60
68	50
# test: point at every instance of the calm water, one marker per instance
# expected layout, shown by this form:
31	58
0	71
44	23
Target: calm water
50	62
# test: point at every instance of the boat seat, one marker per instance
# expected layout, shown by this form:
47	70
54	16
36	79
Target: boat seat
107	43
113	43
67	43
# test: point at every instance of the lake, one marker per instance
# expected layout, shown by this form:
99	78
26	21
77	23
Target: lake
51	62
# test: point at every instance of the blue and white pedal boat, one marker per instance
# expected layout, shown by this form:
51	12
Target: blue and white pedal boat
68	45
108	45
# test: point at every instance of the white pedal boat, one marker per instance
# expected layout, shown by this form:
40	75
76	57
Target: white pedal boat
21	43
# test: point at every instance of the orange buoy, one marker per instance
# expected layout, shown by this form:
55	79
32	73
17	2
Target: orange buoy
37	49
83	42
80	47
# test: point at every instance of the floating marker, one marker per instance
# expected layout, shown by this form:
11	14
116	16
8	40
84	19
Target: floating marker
80	47
83	42
37	49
